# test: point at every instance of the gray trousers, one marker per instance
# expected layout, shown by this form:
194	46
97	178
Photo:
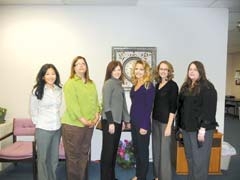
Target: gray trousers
161	147
47	153
197	157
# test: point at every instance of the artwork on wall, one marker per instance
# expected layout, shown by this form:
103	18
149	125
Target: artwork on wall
129	55
237	77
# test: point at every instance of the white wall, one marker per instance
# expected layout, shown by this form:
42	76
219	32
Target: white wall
31	36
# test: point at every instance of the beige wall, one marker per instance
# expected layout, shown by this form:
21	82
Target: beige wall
233	64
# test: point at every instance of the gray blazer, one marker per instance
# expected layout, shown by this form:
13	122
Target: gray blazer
114	102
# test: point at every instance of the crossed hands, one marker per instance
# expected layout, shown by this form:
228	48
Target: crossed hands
90	123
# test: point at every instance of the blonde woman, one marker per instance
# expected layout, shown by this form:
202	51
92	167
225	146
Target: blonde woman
142	97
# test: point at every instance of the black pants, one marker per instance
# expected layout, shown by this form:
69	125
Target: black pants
141	152
109	150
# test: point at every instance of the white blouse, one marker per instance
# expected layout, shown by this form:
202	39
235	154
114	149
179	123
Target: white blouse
45	113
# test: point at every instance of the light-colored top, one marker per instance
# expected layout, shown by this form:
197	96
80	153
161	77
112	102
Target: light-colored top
114	101
81	101
45	113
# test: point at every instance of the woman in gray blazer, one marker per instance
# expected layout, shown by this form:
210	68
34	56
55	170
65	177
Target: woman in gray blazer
114	113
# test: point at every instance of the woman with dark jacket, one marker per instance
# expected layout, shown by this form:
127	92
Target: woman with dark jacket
196	117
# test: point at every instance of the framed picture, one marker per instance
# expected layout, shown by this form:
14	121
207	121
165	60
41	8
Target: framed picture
237	82
237	77
129	55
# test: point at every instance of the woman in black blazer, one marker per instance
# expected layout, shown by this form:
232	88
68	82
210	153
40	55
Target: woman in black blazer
196	117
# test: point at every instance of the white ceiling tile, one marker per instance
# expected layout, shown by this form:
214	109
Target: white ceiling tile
68	2
100	2
30	2
179	3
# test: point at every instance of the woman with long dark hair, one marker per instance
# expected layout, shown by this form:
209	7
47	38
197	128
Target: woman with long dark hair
196	117
45	112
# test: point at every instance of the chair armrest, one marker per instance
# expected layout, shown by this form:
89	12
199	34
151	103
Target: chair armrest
6	136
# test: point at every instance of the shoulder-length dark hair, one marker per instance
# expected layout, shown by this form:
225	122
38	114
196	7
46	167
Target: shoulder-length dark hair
111	66
38	88
188	86
170	71
86	75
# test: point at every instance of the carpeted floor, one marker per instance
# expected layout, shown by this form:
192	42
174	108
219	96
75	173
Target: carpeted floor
232	133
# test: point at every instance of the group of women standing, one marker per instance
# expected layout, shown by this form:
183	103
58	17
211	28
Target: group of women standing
153	108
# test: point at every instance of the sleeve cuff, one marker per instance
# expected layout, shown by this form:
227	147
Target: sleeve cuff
109	116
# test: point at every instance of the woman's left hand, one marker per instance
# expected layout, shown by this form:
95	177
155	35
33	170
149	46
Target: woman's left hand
123	126
201	137
94	121
85	122
143	131
201	134
111	128
167	131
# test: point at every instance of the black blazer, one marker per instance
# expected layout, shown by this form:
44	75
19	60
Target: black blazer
195	111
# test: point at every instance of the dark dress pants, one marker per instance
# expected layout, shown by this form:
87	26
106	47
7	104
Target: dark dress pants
109	150
141	152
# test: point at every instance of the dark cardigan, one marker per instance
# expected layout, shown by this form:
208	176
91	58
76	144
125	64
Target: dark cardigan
195	111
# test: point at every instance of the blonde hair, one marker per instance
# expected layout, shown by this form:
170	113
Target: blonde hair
147	78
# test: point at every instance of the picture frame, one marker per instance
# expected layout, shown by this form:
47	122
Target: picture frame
237	82
237	77
129	55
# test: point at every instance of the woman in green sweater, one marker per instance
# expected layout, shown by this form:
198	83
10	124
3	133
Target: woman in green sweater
79	119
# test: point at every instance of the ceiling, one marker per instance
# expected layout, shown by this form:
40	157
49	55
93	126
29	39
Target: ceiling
232	5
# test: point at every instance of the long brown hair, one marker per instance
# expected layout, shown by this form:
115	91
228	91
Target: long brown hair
202	80
86	75
110	68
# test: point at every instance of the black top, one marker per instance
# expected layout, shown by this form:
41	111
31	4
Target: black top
165	101
195	111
